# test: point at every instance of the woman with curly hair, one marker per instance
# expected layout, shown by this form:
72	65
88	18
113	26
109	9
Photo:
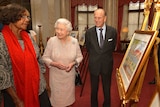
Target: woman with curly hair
21	68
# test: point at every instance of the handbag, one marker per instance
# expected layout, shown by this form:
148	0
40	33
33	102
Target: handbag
78	80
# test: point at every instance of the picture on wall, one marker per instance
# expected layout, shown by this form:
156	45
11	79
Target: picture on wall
74	34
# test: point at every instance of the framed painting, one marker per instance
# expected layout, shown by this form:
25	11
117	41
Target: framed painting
135	57
82	39
74	34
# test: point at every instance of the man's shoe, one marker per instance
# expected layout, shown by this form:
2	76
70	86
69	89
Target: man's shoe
153	82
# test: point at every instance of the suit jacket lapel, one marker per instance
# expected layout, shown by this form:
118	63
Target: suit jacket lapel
106	37
95	38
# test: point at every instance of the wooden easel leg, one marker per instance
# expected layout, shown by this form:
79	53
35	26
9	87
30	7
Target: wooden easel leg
123	103
133	104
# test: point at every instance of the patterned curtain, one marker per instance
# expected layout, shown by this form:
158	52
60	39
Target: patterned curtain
86	2
122	2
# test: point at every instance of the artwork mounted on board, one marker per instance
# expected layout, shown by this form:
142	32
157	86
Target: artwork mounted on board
135	57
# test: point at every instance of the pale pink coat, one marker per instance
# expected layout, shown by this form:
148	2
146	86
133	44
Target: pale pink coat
62	83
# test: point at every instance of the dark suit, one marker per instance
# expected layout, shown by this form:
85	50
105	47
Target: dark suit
100	62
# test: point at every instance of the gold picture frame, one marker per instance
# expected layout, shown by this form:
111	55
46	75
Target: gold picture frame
82	38
134	60
75	34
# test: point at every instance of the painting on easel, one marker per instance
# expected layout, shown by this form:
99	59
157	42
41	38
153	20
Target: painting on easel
132	59
135	57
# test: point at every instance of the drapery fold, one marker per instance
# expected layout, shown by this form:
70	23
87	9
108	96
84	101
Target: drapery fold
74	3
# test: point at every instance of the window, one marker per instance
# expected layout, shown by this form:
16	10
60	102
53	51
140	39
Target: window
135	17
85	18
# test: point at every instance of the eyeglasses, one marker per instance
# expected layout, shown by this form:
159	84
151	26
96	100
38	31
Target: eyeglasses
26	17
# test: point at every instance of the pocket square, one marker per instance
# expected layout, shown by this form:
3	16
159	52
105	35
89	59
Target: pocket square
110	40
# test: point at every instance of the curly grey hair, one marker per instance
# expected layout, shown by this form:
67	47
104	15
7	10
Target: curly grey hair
64	21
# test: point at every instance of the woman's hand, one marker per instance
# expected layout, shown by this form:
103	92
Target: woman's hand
63	67
18	103
16	100
69	67
59	65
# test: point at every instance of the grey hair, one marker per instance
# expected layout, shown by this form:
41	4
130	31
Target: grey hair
64	21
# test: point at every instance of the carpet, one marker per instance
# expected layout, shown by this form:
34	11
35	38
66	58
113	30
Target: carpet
147	91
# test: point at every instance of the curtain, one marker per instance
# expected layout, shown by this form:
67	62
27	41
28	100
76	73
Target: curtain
75	3
121	4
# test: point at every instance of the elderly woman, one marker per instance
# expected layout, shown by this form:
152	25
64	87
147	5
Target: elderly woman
61	55
21	68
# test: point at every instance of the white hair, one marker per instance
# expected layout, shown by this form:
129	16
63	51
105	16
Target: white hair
64	21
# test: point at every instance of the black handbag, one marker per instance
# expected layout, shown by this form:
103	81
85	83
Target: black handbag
78	80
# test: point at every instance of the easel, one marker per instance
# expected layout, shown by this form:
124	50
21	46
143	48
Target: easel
133	96
154	27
